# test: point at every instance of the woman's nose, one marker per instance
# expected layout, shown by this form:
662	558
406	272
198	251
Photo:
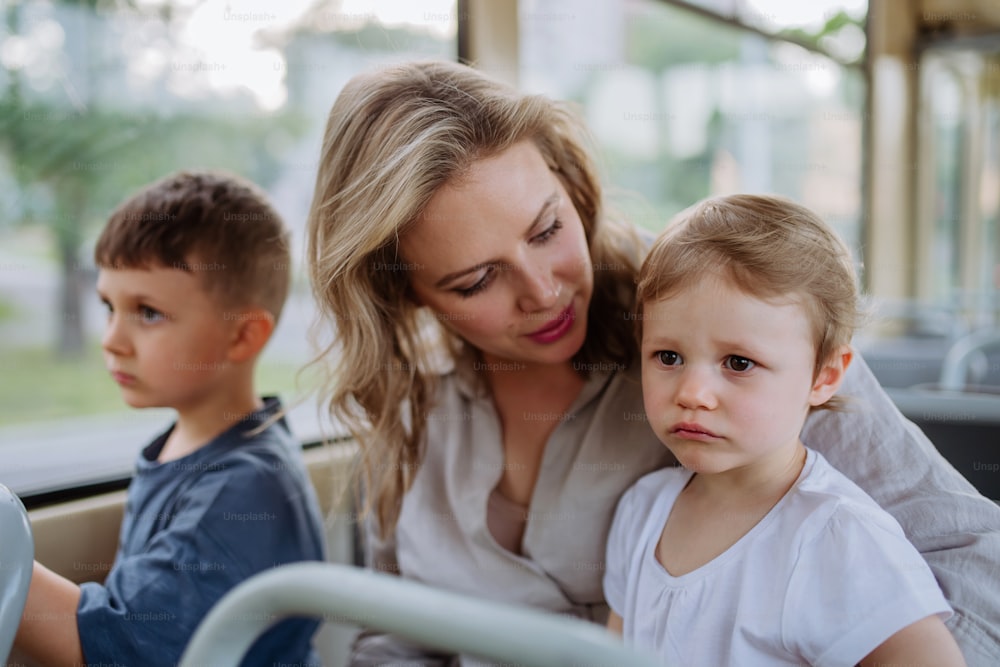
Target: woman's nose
540	289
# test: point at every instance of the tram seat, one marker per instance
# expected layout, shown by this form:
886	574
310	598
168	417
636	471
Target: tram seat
433	617
17	555
963	425
909	342
949	386
905	361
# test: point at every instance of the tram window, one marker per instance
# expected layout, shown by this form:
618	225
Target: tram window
960	111
97	99
954	231
684	106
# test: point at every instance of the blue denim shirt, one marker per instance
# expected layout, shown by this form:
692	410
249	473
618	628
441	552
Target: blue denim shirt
193	529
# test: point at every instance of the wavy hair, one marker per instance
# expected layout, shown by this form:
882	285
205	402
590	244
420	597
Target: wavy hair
394	136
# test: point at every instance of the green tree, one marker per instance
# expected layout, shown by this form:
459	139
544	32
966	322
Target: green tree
88	158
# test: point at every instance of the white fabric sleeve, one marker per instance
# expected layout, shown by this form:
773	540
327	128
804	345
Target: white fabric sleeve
625	530
855	584
955	529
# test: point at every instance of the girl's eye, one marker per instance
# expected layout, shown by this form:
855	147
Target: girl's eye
668	357
150	315
739	364
548	233
482	284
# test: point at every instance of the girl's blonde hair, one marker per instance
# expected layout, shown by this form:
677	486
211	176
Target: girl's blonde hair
393	138
769	247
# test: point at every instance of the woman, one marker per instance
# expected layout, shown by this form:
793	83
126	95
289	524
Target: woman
484	359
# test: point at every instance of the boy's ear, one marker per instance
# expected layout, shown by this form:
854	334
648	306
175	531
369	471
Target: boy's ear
830	375
252	331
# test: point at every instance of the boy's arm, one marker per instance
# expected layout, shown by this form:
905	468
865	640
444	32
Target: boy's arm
926	643
48	632
242	515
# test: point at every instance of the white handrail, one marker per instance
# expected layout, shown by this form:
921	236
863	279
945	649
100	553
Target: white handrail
17	557
440	619
956	361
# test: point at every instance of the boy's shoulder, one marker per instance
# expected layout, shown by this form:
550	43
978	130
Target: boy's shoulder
255	469
260	445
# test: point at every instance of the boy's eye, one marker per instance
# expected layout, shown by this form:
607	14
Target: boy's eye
739	364
668	357
150	315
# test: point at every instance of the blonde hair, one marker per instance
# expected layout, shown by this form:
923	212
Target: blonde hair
393	138
768	247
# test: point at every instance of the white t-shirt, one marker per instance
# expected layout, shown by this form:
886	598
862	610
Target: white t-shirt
824	578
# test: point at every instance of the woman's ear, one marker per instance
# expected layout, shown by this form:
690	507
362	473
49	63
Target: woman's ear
411	295
830	375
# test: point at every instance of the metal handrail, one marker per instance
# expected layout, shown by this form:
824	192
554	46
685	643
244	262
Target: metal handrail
956	361
436	618
17	557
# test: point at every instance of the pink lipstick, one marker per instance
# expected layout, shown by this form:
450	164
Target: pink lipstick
555	329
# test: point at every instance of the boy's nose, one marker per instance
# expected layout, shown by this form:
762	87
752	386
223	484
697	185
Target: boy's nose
114	339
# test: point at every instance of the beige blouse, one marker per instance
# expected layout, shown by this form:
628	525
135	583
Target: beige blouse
506	520
601	445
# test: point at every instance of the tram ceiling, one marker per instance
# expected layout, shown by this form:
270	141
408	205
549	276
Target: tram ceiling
958	23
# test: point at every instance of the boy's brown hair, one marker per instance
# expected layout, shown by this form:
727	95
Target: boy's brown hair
212	223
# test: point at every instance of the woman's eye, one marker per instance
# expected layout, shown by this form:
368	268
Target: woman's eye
548	233
668	357
739	364
479	286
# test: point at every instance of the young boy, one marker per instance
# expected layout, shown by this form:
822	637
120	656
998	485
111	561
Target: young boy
194	271
757	551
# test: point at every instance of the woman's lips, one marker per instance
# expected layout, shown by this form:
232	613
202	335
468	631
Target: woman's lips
556	328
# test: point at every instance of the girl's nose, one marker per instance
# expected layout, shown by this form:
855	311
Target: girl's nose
695	390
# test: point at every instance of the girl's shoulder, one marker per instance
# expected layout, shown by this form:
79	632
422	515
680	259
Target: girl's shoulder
647	491
825	503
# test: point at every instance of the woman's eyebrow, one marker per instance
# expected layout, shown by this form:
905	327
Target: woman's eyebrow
550	202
